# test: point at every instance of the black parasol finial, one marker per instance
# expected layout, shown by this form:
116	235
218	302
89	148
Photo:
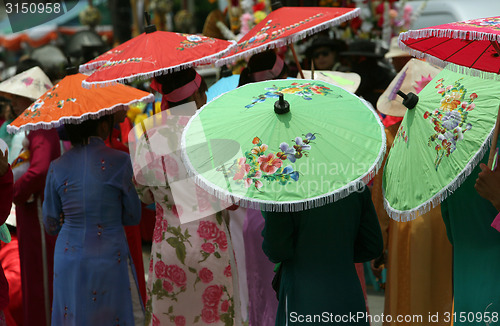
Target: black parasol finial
71	70
281	106
410	100
149	28
276	4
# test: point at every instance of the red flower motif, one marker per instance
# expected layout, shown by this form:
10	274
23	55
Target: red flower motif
164	225
171	166
208	247
256	140
206	275
209	315
227	271
176	274
243	169
473	96
203	199
157	234
156	321
426	114
150	266
159	211
160	269
180	321
222	241
183	120
269	163
208	230
211	296
224	306
168	286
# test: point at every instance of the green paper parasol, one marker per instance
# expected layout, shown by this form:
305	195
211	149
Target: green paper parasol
328	145
439	142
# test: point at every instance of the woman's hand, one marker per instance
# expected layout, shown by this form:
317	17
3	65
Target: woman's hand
488	185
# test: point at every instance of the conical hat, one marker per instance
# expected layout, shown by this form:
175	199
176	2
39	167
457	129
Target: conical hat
347	80
412	78
31	83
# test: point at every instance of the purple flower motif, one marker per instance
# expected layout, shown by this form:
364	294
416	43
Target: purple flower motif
288	151
303	146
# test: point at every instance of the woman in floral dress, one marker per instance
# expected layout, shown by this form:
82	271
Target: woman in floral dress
192	271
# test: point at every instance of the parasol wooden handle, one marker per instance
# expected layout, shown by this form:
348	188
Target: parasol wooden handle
296	60
494	140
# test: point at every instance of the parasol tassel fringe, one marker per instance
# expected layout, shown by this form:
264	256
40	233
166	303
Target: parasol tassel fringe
448	33
86	68
405	216
449	66
295	37
77	120
225	195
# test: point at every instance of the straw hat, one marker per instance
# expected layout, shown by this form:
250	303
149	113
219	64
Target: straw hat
31	83
394	50
412	78
347	80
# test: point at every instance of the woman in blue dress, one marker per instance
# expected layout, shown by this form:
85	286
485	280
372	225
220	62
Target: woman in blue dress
89	196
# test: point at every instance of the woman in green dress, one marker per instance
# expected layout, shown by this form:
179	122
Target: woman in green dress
476	255
317	249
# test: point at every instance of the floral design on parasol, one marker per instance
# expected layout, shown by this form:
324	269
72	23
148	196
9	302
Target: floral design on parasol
69	102
286	25
304	90
317	143
151	54
439	142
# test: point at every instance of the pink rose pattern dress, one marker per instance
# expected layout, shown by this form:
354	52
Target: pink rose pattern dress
191	269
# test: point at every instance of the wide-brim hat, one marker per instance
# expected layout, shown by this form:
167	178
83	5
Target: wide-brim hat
395	50
31	83
323	41
347	80
412	78
365	48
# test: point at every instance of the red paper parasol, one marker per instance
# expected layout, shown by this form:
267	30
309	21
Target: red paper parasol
153	53
471	46
286	25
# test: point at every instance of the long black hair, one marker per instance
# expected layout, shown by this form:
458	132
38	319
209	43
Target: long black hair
79	134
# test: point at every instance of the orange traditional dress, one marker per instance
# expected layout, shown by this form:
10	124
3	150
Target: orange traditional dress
419	260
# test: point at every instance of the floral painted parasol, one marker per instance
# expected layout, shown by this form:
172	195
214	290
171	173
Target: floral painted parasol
286	25
69	102
151	54
439	142
329	144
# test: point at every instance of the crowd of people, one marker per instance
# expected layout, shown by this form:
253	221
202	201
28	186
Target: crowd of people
75	257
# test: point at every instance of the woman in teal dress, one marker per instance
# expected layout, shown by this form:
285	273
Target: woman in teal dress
476	254
89	196
318	249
